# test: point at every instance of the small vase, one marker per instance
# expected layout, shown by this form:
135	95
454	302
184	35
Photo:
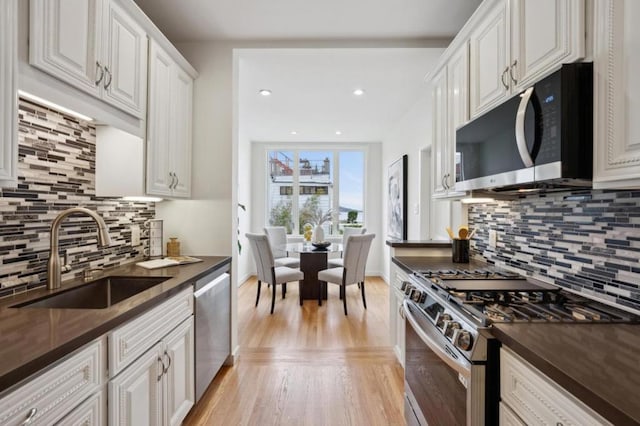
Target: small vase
318	234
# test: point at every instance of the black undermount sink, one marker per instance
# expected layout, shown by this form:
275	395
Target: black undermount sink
99	294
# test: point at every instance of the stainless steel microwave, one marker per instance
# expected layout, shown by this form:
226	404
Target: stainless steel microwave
541	138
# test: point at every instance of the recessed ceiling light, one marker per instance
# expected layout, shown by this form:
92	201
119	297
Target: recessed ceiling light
265	92
338	132
293	132
358	92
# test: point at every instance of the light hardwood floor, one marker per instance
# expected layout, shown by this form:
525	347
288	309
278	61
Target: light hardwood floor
308	365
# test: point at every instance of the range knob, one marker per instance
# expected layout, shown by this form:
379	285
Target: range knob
464	340
408	289
450	327
416	295
441	320
404	285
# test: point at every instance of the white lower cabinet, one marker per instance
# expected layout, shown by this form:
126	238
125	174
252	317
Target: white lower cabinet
532	398
55	393
396	318
152	359
158	388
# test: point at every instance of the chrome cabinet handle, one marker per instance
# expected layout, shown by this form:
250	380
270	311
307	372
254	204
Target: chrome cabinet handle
108	83
513	65
521	140
506	86
173	179
30	416
101	73
177	181
401	312
162	369
169	364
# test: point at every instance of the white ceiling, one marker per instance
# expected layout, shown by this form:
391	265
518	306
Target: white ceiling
190	20
312	88
313	92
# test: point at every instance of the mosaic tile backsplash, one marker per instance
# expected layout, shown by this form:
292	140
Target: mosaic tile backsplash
584	240
56	171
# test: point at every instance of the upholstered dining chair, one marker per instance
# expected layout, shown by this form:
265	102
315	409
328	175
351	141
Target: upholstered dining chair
346	233
268	271
355	261
278	240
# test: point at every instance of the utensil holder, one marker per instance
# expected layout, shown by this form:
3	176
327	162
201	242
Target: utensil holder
460	251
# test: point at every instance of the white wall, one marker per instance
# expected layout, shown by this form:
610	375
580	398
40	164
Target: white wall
412	135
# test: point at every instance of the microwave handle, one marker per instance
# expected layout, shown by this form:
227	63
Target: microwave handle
521	140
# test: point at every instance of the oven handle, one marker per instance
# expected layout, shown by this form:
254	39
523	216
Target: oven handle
463	369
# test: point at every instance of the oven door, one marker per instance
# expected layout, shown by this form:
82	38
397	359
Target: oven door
442	387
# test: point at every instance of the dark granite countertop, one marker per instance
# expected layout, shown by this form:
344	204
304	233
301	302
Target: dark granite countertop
422	263
419	243
598	363
33	338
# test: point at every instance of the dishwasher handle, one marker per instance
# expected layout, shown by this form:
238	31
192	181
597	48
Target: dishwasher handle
222	278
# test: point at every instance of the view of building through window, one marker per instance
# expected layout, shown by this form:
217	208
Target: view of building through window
316	187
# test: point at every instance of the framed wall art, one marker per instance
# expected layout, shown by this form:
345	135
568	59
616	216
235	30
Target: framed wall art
397	199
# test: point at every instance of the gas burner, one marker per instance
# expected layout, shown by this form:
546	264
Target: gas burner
487	273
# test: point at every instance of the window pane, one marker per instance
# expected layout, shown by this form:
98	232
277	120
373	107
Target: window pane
351	183
281	164
316	189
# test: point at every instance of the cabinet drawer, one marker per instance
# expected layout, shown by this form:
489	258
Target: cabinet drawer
508	417
57	391
538	400
131	340
92	412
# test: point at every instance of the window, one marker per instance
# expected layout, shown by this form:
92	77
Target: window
308	186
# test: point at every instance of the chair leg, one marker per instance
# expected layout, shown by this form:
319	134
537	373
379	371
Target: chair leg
341	292
364	299
320	285
258	295
344	298
273	297
284	290
300	291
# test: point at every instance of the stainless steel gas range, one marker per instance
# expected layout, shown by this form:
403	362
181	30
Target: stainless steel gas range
452	360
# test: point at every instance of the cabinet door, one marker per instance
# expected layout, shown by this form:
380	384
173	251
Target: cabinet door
400	330
92	412
180	387
8	96
65	42
181	100
616	108
458	103
544	35
125	45
135	395
159	120
439	154
488	62
508	417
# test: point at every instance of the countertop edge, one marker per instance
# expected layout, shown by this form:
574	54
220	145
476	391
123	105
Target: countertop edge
598	404
15	377
418	244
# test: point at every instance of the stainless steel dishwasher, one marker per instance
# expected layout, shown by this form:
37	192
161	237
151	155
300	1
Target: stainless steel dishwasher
213	320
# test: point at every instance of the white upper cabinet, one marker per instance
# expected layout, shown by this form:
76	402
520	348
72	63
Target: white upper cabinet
168	126
125	44
616	106
92	45
488	63
439	144
8	93
450	110
544	35
519	42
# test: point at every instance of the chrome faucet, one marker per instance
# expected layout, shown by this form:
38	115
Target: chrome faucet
54	271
